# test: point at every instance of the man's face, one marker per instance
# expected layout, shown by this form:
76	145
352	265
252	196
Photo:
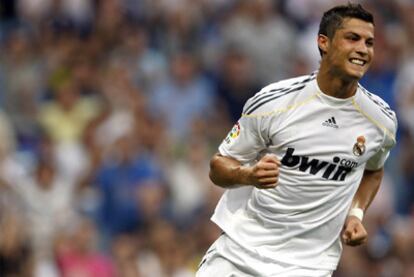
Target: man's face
351	50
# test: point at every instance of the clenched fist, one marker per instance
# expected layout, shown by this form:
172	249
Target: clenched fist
265	173
353	233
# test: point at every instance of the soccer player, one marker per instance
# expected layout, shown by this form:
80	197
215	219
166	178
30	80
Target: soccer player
303	163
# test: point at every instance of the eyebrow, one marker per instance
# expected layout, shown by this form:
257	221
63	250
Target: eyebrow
356	34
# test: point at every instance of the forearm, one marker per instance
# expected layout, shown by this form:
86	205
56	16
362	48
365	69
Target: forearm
227	172
368	188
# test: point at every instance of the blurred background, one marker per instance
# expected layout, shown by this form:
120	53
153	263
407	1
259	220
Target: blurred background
111	109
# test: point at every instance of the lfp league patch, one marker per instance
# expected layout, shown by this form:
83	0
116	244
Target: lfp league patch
233	134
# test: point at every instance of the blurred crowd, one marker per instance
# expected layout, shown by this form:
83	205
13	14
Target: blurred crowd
111	109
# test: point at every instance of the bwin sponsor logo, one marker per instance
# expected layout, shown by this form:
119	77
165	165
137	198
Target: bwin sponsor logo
335	171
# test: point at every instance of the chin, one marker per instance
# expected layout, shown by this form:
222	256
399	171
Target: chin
354	71
355	75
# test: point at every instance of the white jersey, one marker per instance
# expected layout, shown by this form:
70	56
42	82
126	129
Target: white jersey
324	145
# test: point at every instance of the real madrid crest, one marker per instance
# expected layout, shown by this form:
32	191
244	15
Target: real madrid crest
359	146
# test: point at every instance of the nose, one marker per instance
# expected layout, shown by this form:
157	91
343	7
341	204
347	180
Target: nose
362	48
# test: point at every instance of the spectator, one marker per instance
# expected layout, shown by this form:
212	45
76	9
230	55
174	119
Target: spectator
266	37
186	95
48	201
235	81
15	252
118	180
77	255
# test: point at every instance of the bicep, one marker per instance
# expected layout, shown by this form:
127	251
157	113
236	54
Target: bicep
373	177
218	159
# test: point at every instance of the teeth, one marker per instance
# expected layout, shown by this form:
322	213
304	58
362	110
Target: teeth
358	62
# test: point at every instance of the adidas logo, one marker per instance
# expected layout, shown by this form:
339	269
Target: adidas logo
331	122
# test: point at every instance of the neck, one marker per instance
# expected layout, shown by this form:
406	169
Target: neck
336	86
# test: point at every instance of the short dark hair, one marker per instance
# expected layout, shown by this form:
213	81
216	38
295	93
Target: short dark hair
333	18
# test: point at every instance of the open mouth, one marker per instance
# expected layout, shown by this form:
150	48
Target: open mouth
357	61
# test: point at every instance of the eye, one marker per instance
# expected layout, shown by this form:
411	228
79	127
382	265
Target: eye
369	43
352	37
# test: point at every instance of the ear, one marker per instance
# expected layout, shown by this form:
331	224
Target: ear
323	43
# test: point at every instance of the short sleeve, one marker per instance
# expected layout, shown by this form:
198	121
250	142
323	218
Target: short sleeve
378	160
245	140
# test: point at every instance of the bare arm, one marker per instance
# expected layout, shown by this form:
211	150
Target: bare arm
354	232
370	183
227	172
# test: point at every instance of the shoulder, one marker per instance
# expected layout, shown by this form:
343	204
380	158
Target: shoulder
264	101
377	110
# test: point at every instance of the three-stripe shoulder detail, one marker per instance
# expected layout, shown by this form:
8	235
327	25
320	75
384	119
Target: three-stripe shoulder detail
384	108
262	98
